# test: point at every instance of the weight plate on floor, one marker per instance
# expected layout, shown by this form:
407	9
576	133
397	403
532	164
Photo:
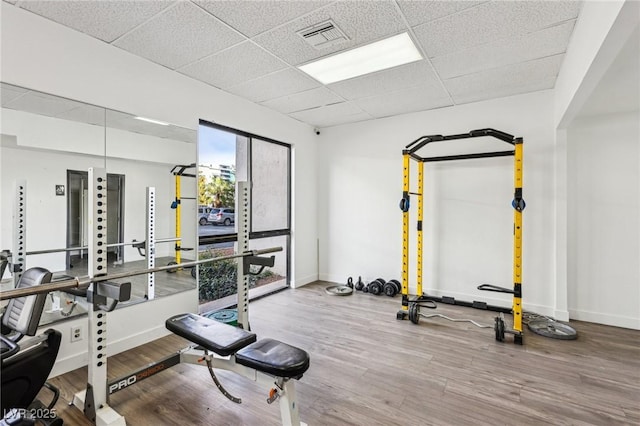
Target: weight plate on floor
414	313
499	329
553	329
338	290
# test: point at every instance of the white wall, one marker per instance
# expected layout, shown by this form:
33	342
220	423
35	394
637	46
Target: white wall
468	214
41	55
603	219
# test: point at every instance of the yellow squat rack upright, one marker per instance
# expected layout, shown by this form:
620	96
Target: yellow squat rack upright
411	305
178	172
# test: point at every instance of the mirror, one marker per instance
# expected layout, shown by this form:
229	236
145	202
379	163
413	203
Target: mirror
49	143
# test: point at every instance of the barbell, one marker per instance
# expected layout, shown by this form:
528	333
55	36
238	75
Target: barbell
132	243
84	282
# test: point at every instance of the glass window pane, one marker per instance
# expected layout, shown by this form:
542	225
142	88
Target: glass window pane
270	186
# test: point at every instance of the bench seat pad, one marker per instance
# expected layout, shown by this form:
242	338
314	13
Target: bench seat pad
275	358
215	336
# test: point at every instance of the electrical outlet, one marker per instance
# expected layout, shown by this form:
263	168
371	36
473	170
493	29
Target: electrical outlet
76	333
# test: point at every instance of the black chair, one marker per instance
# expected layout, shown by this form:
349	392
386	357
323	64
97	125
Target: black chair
25	367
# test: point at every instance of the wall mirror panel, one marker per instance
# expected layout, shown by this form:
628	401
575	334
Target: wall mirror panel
48	144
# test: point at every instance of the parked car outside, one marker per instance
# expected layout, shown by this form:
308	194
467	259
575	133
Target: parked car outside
222	216
203	215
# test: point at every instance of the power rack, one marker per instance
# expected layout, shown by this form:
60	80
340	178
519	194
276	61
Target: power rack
411	305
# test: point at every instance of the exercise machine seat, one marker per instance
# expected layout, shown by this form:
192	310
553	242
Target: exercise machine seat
23	313
24	374
275	358
212	335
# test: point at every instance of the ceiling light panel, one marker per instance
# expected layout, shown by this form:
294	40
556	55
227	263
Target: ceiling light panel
313	98
233	66
390	80
383	54
271	13
181	35
489	22
105	19
361	21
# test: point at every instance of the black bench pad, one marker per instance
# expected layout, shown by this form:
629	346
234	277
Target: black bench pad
215	336
275	358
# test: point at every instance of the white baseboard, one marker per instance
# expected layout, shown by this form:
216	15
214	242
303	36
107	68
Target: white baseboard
606	319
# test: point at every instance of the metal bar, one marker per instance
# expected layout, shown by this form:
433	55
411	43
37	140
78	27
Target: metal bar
517	241
84	282
163	240
178	218
468	156
150	252
420	237
143	373
405	230
244	201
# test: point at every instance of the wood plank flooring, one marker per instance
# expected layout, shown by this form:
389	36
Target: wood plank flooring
367	368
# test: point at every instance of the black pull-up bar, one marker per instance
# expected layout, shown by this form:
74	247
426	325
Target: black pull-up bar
423	140
180	169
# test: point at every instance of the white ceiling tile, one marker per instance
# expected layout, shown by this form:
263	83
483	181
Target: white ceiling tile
420	12
332	114
180	35
43	104
236	65
278	84
9	93
89	114
490	22
389	80
105	19
313	98
403	101
271	13
509	80
548	42
361	21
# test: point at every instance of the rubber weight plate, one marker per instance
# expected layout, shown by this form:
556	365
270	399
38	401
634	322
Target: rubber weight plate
339	290
552	329
414	313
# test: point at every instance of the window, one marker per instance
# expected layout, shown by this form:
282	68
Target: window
225	157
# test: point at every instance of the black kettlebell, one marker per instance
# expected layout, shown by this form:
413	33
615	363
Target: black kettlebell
359	284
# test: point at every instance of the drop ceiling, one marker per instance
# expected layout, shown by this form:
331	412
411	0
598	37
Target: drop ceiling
473	50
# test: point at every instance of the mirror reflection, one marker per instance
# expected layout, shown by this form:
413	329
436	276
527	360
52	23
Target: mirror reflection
48	144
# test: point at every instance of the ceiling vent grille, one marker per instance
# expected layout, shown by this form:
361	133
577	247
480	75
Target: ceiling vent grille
323	35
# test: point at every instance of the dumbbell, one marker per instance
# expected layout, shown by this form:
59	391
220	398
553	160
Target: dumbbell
392	287
376	286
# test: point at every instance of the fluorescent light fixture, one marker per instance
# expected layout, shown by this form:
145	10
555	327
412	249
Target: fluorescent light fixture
383	54
149	120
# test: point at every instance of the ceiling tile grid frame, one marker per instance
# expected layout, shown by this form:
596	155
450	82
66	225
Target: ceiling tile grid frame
476	39
179	36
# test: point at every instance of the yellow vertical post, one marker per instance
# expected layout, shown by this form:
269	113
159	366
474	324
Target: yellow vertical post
405	232
420	231
178	218
518	205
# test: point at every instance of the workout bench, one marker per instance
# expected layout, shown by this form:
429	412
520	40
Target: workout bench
265	361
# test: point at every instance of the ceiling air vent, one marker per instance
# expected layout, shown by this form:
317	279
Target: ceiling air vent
323	34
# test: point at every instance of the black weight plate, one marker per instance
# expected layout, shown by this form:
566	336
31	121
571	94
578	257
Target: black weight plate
375	287
552	329
397	284
499	329
390	290
414	313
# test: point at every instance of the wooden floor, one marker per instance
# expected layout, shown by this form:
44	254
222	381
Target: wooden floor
367	368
